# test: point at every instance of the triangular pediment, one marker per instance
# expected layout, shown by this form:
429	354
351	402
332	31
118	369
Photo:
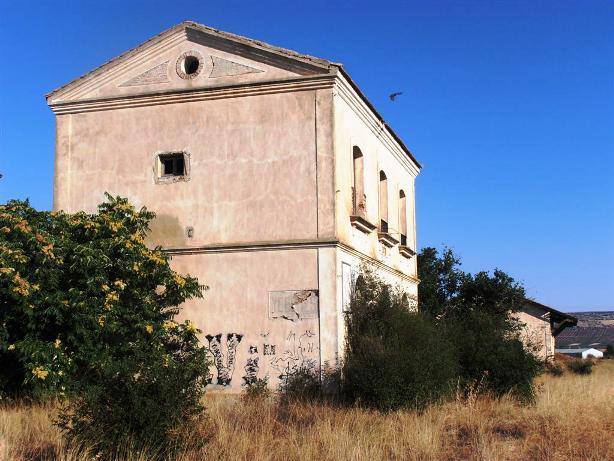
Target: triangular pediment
189	56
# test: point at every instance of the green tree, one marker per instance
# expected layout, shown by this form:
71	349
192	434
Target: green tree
87	310
476	311
440	281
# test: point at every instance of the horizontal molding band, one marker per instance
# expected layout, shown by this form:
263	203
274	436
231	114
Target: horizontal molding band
307	83
253	246
287	245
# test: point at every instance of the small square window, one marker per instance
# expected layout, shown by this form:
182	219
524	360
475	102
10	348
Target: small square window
172	164
171	167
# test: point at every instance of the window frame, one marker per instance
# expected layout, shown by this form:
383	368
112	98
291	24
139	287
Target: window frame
159	167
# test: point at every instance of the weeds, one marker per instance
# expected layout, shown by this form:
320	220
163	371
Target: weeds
562	425
580	366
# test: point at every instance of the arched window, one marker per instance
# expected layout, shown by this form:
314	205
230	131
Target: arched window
359	199
383	201
403	217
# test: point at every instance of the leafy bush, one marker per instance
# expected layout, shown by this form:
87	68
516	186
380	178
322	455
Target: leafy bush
394	358
86	311
580	366
476	312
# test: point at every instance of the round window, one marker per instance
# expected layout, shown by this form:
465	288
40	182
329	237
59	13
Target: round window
189	64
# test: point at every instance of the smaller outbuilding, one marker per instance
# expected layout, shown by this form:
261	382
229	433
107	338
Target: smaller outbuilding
542	324
585	353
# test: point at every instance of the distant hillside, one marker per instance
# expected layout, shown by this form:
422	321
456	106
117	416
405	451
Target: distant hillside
594	329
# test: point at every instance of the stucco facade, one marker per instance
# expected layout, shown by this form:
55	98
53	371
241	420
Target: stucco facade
263	207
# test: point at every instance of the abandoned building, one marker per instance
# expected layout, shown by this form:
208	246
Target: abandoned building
542	324
273	179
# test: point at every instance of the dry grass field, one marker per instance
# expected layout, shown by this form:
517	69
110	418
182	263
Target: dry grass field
573	419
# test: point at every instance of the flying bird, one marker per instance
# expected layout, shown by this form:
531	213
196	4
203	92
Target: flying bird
394	95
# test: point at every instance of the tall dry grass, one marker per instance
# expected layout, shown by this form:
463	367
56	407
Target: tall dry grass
573	419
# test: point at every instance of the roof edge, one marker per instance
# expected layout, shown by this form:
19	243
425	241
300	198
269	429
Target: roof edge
557	313
388	128
117	59
284	52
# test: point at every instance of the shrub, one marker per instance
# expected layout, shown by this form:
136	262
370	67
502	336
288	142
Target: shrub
303	384
86	311
580	366
257	390
394	358
493	356
554	369
609	352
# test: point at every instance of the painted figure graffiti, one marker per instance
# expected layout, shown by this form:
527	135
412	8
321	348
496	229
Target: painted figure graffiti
251	371
224	371
251	367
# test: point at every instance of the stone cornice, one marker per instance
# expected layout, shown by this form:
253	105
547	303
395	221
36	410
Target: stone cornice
357	103
304	83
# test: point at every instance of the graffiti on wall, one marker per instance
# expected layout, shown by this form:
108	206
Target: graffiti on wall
289	345
225	368
295	351
300	352
251	367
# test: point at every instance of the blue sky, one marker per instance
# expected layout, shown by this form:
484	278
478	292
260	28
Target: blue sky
509	106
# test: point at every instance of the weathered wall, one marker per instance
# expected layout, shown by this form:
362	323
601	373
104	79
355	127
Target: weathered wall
537	331
261	309
252	169
354	126
252	180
